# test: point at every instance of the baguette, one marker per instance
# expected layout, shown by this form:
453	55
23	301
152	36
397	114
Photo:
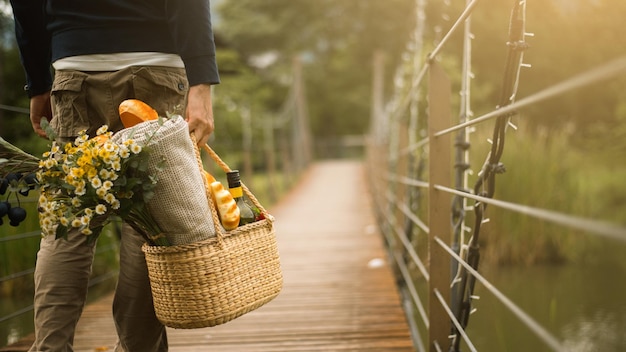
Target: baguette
227	208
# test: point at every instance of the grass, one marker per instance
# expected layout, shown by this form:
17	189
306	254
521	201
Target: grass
547	171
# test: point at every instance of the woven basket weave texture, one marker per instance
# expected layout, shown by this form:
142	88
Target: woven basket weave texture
215	281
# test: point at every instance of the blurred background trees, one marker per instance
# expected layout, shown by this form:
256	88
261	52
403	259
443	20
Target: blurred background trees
335	41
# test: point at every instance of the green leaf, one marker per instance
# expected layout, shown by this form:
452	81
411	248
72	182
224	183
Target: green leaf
121	181
147	195
61	232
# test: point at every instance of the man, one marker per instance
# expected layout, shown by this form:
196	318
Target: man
103	52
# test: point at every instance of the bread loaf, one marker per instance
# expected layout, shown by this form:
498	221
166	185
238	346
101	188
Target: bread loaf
210	179
133	112
226	206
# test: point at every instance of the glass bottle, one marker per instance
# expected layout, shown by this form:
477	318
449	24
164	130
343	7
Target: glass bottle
234	186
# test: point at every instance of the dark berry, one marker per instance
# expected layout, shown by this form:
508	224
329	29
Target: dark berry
13	177
31	180
16	215
4	208
24	192
4	184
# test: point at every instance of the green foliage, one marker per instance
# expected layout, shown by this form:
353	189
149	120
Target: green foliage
336	40
544	171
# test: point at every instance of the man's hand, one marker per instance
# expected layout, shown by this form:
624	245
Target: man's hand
199	113
40	108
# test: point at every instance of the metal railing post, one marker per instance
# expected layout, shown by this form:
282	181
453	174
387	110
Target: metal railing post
439	117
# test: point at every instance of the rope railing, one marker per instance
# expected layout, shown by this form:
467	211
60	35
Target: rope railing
406	242
594	75
415	297
393	185
455	321
521	315
20	236
594	227
419	77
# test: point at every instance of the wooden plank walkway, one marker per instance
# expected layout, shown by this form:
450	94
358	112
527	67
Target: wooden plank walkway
336	297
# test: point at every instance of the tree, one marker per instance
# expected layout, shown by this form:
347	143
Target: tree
336	40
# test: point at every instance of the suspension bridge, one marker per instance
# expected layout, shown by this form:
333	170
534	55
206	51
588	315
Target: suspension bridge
374	250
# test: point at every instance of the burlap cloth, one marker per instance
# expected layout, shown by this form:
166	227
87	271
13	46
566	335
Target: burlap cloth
179	205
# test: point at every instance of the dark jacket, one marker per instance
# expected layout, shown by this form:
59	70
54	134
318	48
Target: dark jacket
48	30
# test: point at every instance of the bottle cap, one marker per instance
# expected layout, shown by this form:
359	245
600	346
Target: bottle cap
234	180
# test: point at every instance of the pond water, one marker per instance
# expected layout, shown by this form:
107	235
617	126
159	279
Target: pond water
582	304
14	329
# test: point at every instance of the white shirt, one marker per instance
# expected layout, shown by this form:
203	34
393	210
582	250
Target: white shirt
117	61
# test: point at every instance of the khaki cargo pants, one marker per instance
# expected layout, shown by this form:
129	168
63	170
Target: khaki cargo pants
88	100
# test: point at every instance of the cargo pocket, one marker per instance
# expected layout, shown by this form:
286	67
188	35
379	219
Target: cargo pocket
68	104
162	88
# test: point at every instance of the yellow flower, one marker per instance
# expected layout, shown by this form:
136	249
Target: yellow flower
109	147
104	174
50	163
64	221
85	220
82	138
101	192
107	185
80	189
102	130
76	202
92	172
101	209
124	153
136	149
86	231
109	198
47	223
76	172
96	182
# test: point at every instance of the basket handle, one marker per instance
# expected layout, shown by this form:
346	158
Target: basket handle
207	187
207	190
225	167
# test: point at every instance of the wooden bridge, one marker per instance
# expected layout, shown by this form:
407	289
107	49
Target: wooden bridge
339	291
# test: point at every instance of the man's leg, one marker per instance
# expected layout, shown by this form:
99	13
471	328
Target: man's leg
61	280
137	325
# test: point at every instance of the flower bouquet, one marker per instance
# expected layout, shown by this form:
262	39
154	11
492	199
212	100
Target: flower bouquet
85	183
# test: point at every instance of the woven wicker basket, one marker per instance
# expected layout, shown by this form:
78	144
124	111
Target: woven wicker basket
214	281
